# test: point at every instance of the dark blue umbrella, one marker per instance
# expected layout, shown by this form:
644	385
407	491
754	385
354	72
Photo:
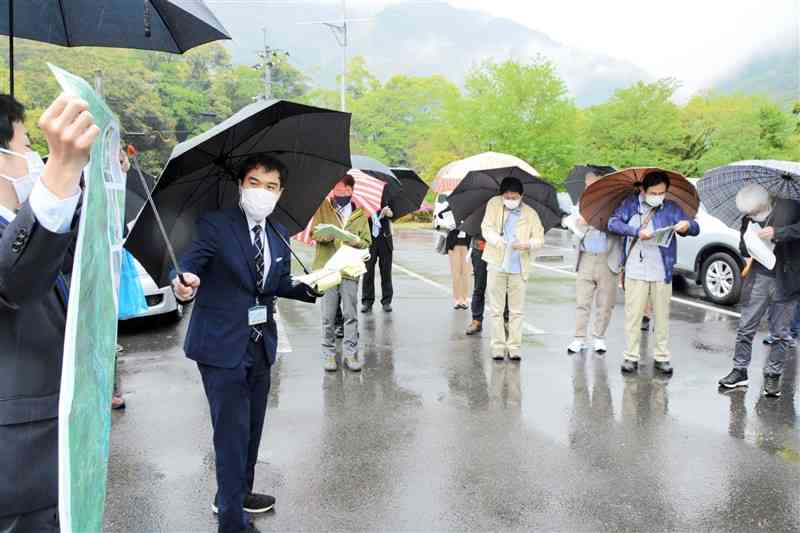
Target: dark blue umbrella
165	25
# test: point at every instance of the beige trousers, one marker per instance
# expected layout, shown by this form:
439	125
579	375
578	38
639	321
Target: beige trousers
461	271
500	286
637	295
596	284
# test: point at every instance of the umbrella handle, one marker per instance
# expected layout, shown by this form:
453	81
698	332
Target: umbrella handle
289	246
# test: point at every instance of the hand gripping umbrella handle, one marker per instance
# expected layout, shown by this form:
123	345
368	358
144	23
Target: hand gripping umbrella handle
132	153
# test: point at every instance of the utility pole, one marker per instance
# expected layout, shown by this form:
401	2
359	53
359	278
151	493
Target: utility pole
269	58
341	32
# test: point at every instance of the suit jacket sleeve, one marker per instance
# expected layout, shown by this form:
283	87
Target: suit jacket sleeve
537	233
203	247
286	287
31	258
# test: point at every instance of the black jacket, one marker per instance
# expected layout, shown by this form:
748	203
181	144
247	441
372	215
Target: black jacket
785	219
32	323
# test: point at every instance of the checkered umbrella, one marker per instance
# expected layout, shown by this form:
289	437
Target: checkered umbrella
719	186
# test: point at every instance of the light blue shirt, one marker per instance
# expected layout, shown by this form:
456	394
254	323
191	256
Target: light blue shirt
595	242
512	264
645	262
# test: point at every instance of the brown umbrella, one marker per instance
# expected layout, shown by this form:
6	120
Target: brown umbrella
599	201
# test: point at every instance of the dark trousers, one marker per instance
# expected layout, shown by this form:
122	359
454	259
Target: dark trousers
379	251
479	271
237	398
42	521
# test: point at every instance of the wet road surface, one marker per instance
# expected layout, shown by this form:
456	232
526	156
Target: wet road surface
435	436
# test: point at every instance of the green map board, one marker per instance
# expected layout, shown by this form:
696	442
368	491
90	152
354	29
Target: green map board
91	334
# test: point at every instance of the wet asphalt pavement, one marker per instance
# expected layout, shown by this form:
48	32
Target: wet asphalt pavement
435	436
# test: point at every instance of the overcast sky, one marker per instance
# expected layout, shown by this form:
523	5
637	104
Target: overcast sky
696	41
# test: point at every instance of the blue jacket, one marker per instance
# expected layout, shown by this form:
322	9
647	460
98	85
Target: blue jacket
668	214
222	256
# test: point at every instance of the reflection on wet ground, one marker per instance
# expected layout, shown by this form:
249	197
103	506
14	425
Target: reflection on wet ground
433	435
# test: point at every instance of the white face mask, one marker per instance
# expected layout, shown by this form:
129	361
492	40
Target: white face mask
23	185
654	200
511	204
761	216
258	204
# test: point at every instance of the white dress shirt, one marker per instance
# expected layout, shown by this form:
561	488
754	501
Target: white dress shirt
264	242
53	213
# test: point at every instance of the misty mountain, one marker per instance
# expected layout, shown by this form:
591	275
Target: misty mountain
775	73
417	39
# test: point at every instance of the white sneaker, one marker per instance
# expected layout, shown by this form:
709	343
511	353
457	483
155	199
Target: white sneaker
576	346
600	346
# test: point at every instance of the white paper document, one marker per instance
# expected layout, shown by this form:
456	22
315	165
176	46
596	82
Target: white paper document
759	249
663	237
347	261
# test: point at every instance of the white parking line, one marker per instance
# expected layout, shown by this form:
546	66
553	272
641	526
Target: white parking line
677	299
526	326
284	346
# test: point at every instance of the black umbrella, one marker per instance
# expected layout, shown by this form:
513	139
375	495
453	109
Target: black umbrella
378	170
468	201
165	25
414	191
313	143
576	181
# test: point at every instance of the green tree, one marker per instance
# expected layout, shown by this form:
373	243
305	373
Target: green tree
522	109
638	126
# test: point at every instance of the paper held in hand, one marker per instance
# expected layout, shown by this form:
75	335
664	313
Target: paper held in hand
331	230
663	237
347	260
571	223
758	248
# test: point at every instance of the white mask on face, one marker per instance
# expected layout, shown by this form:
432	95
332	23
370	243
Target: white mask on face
654	200
258	204
761	216
511	204
23	185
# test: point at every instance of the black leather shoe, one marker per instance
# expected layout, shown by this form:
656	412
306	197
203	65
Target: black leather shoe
387	308
772	385
366	309
664	367
339	332
736	378
258	503
629	367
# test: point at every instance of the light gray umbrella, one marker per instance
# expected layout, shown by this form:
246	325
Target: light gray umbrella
719	186
166	25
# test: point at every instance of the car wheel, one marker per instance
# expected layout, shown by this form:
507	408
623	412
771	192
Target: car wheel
721	277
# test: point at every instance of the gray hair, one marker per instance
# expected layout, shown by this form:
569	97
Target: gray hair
752	199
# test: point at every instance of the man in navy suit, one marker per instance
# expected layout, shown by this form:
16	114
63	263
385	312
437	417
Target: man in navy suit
236	267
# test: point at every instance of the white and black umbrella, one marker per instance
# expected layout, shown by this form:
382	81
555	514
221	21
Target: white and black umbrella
719	186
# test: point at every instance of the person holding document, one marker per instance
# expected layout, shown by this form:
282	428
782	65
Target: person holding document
512	231
647	219
339	213
38	227
237	265
770	234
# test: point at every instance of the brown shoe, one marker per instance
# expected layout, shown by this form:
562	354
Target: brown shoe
475	327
